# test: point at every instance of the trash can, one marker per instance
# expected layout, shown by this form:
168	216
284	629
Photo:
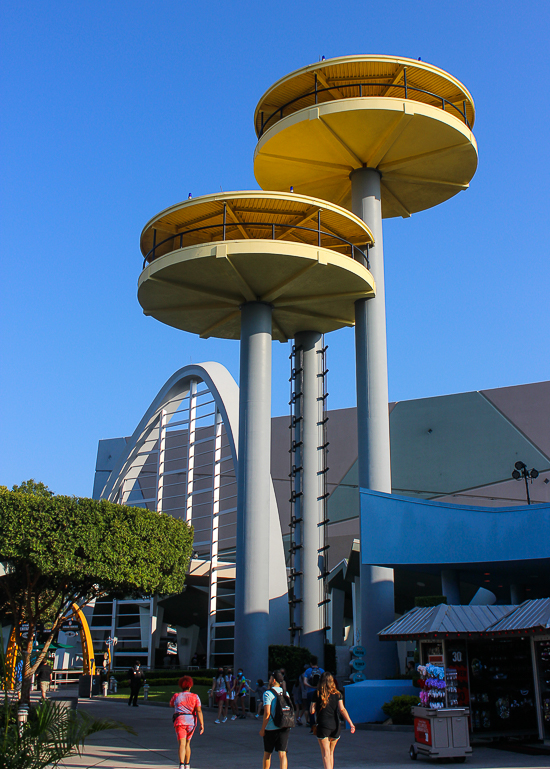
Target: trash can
441	733
88	686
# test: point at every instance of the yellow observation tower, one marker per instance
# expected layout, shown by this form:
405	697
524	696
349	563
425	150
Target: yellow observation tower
258	266
341	144
381	136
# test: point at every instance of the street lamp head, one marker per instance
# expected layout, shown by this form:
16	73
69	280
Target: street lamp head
516	475
520	465
534	473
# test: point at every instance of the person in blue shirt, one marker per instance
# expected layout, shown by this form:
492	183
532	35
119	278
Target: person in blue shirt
312	676
274	738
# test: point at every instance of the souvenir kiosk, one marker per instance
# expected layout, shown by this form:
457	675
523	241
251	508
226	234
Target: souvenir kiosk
495	660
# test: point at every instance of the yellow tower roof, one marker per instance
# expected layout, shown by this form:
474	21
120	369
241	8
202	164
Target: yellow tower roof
205	257
408	119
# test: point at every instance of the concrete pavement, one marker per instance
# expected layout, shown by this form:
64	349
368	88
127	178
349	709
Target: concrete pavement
237	745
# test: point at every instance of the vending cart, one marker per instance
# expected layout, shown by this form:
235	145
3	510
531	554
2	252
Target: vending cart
441	733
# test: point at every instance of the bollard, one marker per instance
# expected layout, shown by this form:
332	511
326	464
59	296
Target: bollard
145	692
105	686
22	715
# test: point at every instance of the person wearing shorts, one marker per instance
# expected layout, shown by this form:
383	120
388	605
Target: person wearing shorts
219	691
43	678
274	738
328	707
187	710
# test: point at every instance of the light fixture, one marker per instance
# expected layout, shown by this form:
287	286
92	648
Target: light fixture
520	472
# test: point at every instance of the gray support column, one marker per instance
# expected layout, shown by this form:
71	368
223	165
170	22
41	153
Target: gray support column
517	594
311	611
253	493
450	586
373	428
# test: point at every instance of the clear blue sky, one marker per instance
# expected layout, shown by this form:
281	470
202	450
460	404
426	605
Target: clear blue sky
113	111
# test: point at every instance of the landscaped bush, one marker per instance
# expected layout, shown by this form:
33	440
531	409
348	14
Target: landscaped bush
399	708
291	658
163	677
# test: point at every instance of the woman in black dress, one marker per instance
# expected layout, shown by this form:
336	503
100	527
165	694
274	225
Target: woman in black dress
328	707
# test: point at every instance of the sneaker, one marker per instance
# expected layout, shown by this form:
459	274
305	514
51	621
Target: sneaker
233	718
256	716
224	720
299	721
217	721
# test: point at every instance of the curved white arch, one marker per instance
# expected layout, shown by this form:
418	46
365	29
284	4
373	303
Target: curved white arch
226	394
147	436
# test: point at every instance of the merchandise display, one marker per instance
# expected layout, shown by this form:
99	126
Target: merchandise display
432	685
543	660
502	696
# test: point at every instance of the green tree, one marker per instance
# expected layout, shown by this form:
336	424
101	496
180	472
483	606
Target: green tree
58	550
33	487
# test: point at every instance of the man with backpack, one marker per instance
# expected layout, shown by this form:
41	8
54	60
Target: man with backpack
312	677
278	720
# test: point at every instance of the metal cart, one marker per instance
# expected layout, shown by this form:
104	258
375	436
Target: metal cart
441	733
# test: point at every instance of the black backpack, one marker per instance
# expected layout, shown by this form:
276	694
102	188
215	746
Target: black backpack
283	712
313	680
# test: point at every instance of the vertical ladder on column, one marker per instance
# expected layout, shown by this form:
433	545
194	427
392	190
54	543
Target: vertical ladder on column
324	598
296	493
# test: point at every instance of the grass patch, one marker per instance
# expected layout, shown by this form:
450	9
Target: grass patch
162	693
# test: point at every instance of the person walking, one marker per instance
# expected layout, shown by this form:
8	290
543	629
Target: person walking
43	677
312	676
230	682
137	679
275	737
219	692
260	690
298	704
328	706
187	711
241	687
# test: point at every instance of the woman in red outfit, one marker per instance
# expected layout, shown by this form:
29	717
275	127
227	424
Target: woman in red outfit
187	710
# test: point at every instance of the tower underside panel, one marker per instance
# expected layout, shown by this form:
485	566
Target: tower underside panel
424	154
200	288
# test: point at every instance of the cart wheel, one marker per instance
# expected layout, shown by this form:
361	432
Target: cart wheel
412	753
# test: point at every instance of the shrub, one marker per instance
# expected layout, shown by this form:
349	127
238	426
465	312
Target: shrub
429	600
399	708
291	658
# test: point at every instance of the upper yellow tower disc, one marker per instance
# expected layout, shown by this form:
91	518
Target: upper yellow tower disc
409	120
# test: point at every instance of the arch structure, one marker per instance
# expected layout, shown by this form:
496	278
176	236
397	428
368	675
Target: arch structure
182	459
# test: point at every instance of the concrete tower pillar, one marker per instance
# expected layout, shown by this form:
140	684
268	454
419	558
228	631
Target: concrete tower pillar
253	502
373	427
311	563
450	586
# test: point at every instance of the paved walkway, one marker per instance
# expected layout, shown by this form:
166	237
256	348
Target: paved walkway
237	745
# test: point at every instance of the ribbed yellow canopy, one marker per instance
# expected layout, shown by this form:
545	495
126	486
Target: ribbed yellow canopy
207	256
331	118
348	77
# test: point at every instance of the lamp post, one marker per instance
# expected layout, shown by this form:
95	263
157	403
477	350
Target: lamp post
520	472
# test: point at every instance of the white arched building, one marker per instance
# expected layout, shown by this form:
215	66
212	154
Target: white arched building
182	460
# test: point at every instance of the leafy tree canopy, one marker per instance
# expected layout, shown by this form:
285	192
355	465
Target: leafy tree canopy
58	550
33	487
